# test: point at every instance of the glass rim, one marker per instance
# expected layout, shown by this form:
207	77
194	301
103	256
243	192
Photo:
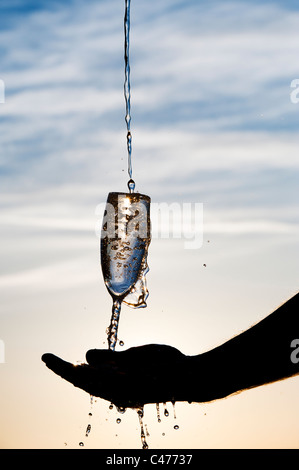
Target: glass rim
129	195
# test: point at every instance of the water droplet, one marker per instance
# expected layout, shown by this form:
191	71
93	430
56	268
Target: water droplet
166	413
118	420
121	343
88	430
158	412
205	265
131	185
176	427
142	433
81	444
174	413
121	409
111	406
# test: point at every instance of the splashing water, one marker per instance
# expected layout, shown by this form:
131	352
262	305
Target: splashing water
142	433
121	409
125	240
176	426
173	406
136	297
88	429
138	293
158	412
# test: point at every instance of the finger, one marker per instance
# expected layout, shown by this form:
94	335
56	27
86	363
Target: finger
80	376
100	357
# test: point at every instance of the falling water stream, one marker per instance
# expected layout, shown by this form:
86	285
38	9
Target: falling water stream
112	330
116	254
144	434
127	92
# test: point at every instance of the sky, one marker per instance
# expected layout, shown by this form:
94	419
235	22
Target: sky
214	122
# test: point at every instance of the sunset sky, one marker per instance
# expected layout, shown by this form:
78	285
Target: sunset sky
213	122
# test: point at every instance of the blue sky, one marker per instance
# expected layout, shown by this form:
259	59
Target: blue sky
212	122
210	102
204	68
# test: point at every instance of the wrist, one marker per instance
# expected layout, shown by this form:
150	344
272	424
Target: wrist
206	379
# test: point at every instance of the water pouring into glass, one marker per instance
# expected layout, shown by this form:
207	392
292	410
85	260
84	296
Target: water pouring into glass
125	239
125	236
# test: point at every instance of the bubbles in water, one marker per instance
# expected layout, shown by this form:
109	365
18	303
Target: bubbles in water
138	295
129	140
124	257
112	331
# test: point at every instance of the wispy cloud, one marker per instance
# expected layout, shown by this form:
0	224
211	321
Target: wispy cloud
211	111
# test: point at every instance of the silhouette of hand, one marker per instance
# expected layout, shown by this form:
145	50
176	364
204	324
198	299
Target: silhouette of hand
130	378
159	373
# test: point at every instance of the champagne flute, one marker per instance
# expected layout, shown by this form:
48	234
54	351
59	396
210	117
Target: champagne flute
125	239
